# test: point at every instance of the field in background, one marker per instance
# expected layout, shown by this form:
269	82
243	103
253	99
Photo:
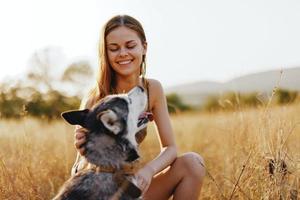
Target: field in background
36	157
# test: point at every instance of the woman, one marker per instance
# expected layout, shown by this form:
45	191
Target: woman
122	53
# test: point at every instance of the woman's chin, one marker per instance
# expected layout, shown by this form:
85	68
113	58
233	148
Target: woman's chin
127	71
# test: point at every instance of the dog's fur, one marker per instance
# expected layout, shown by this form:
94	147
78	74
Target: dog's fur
112	125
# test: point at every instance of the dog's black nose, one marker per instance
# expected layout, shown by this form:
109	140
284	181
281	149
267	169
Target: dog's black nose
132	155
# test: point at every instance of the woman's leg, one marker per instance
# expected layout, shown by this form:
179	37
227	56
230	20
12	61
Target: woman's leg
183	179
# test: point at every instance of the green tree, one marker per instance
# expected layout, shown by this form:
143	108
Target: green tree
11	105
176	104
284	96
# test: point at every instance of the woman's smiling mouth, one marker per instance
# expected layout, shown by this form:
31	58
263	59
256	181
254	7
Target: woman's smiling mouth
124	62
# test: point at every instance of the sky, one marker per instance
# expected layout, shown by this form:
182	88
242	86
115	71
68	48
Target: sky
188	41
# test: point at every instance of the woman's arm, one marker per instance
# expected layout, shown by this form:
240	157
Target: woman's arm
167	142
162	120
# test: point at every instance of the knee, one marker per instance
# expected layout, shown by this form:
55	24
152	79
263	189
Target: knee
193	165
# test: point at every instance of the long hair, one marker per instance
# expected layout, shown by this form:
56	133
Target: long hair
106	78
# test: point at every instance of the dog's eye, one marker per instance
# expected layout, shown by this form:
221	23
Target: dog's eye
130	101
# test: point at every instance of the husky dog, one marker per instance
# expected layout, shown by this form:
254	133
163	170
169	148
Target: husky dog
110	146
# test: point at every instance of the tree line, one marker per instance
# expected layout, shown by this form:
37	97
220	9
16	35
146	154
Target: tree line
18	101
236	100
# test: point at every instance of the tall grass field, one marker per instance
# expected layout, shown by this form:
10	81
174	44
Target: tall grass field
249	153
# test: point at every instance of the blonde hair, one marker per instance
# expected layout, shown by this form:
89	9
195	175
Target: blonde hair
106	79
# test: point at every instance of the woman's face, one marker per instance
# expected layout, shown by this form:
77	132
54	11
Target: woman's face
125	51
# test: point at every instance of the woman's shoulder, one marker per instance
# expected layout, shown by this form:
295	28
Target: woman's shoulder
156	92
154	85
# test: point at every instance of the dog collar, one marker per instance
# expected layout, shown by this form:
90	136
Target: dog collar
128	169
120	177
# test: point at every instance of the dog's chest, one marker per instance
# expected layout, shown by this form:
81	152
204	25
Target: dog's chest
99	186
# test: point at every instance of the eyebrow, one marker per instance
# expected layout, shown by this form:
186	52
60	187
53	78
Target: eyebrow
126	42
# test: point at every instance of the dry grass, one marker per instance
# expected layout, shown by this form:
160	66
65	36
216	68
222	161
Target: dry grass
36	157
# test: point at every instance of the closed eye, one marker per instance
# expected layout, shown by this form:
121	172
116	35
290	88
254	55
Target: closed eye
131	46
113	49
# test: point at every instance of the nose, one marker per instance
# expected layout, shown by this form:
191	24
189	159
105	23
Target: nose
132	155
123	52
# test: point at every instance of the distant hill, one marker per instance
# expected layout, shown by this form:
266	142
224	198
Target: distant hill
196	93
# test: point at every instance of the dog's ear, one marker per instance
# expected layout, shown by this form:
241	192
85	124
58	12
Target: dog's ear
110	121
75	117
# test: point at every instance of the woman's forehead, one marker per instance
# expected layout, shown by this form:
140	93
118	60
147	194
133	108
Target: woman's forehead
122	34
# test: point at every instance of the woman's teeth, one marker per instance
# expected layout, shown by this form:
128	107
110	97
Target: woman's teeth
124	62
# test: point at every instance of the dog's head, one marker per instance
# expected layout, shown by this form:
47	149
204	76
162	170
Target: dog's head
112	125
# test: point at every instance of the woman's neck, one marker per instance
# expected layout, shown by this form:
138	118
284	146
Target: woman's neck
124	85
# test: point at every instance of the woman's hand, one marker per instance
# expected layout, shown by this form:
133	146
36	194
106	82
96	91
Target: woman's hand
144	178
80	139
